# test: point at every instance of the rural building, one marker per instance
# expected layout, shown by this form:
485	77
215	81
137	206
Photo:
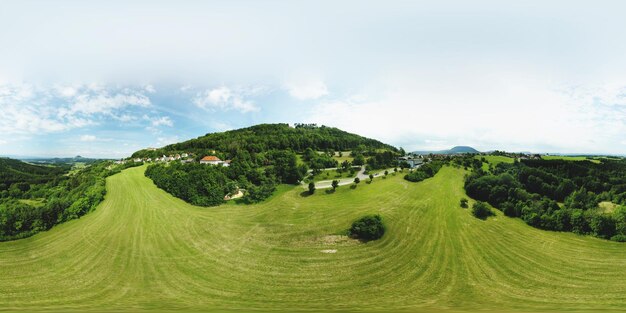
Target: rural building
411	161
210	159
213	160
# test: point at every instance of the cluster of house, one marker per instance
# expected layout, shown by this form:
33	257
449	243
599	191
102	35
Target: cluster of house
183	157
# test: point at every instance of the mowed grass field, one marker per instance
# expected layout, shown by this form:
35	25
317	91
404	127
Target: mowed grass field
493	160
142	249
570	158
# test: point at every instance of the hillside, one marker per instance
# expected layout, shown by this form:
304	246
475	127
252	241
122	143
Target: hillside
266	137
143	250
13	171
454	150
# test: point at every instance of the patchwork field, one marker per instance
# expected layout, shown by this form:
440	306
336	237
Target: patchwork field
142	249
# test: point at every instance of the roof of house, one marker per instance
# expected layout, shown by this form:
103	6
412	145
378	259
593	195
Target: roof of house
210	158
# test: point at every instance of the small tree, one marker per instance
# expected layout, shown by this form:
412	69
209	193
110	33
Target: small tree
369	227
311	188
386	173
371	177
464	203
335	184
357	180
481	210
395	170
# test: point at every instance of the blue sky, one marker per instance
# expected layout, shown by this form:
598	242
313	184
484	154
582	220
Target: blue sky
106	78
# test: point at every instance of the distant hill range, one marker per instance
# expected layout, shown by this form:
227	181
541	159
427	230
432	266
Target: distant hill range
455	150
76	159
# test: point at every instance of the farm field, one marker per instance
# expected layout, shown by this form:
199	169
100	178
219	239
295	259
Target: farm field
570	158
493	160
143	249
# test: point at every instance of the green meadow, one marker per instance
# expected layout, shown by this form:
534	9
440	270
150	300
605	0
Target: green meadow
570	158
143	249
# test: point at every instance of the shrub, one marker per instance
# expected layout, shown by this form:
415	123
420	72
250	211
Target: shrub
311	188
481	210
369	227
464	202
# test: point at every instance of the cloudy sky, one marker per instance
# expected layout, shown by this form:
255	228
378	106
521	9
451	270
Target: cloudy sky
105	78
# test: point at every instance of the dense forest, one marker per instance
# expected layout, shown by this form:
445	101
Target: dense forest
15	171
35	198
557	194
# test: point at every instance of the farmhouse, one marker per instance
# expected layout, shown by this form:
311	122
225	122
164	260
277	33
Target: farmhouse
213	160
210	159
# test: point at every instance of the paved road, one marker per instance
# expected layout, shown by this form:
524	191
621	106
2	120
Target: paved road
345	181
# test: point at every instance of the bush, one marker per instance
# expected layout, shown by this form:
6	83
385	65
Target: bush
369	227
464	202
481	210
619	238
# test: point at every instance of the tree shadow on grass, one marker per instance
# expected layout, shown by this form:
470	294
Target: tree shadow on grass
329	191
305	194
353	187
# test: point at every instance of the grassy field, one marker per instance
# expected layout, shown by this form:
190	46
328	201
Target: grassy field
570	158
145	250
493	160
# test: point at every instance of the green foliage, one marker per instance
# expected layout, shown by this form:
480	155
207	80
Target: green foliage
481	210
357	180
15	171
463	203
369	227
425	171
265	137
311	188
66	198
335	184
530	189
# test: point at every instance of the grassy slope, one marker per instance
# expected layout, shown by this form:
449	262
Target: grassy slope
494	160
143	249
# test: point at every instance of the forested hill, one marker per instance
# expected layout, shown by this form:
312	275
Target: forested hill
12	171
265	137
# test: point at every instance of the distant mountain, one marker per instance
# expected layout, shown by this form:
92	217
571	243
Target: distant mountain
454	150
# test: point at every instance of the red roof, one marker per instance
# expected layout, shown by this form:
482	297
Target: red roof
210	158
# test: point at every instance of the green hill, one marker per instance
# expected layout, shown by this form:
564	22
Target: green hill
14	171
143	249
266	137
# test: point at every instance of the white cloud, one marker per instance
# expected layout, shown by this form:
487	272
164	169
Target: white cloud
307	90
225	99
149	88
162	121
512	114
163	141
88	138
33	110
